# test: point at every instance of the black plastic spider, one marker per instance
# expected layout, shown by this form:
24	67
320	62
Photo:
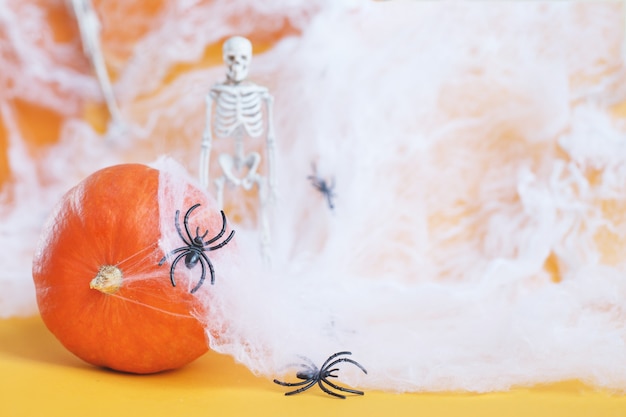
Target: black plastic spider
311	375
323	186
195	248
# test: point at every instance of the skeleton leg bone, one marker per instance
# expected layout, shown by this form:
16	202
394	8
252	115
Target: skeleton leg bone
263	220
205	155
219	188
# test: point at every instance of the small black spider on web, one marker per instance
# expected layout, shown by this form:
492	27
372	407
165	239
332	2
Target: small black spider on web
311	375
193	252
326	188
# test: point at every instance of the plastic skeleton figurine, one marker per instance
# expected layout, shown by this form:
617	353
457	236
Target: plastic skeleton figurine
89	28
235	110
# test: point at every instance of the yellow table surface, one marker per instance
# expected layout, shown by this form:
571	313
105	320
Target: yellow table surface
40	378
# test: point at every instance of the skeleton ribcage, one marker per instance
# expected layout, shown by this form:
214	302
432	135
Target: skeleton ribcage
238	110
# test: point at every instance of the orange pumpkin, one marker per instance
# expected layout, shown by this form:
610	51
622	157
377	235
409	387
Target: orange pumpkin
102	289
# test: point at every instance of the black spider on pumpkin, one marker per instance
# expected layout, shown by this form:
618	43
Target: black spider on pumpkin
312	375
195	247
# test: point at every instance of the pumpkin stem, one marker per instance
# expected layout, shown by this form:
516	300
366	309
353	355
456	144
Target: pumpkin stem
108	280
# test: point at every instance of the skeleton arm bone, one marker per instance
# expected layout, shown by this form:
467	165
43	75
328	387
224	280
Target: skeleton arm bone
89	29
88	25
207	139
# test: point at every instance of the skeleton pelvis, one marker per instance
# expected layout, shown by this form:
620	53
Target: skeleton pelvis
241	173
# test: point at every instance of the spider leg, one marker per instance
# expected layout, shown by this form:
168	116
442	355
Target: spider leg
319	185
337	387
224	242
221	233
173	267
203	275
293	384
345	360
315	182
178	229
211	269
186	222
198	233
310	365
327	391
331	357
328	373
181	249
329	199
304	388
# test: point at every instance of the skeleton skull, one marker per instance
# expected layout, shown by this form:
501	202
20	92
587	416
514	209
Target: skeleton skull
237	53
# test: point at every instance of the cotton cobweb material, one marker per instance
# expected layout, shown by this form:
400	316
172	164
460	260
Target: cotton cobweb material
465	177
478	236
